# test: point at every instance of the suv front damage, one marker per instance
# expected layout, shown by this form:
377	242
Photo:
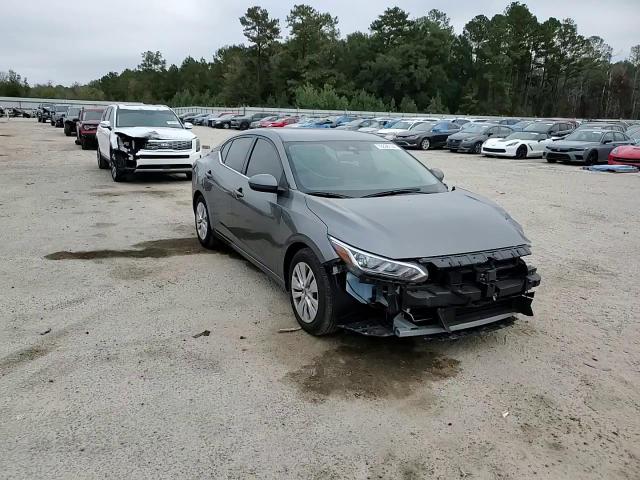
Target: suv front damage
140	149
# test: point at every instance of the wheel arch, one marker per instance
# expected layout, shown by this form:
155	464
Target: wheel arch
294	247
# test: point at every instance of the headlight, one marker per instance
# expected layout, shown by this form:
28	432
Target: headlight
197	144
614	151
367	263
411	137
390	137
511	144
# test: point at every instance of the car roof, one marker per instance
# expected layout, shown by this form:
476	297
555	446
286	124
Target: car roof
313	135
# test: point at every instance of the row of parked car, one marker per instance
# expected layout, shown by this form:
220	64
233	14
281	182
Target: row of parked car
129	139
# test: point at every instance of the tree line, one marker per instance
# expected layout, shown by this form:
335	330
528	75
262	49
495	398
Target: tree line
509	64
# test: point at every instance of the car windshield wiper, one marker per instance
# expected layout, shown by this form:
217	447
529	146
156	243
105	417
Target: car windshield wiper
397	191
328	194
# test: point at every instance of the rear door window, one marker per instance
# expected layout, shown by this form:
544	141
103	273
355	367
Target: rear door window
237	153
265	159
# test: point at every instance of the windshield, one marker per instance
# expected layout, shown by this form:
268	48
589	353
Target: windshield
147	118
92	114
584	136
526	136
61	108
521	124
356	169
73	111
538	127
403	125
423	127
474	128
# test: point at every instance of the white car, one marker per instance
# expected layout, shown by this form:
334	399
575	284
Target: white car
145	138
517	145
401	126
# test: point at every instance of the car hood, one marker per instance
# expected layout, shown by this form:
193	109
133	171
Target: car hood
628	151
422	225
407	133
572	144
160	133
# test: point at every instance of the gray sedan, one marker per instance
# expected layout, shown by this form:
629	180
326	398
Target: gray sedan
362	235
588	146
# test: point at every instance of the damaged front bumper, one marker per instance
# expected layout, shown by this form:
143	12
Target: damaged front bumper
464	294
152	154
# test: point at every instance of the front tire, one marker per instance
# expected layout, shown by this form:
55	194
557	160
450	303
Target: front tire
102	163
312	295
116	172
225	126
204	232
521	153
425	144
592	158
477	148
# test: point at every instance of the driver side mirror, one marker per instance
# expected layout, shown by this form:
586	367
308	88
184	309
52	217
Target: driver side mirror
105	124
605	142
439	174
264	182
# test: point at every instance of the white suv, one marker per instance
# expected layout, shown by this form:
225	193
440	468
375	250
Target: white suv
145	138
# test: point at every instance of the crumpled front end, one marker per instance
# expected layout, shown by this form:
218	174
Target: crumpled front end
462	294
151	152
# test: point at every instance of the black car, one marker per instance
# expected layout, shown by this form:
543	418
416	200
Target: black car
551	128
426	135
473	135
243	122
70	120
224	121
43	112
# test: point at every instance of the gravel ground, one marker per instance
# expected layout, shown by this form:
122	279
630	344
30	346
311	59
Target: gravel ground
119	388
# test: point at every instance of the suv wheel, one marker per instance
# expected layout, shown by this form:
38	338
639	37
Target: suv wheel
116	172
311	293
102	163
205	234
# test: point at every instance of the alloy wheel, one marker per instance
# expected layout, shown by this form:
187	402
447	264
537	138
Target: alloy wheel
425	144
304	290
202	221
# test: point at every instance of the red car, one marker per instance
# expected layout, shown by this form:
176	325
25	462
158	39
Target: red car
281	122
87	126
625	155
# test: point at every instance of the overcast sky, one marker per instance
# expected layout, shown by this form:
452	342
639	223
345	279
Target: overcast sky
63	42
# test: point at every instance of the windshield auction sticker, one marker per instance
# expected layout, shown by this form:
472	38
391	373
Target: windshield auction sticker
387	146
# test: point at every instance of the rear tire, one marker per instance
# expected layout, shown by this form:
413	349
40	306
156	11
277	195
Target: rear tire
189	175
551	160
67	131
84	144
313	298
205	234
225	126
521	152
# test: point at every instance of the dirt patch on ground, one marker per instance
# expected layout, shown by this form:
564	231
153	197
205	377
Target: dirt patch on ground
370	368
170	247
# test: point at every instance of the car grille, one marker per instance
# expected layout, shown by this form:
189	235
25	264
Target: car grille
557	156
494	150
453	143
168	145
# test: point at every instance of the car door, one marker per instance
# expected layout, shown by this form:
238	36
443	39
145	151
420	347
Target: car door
102	135
606	145
225	182
259	222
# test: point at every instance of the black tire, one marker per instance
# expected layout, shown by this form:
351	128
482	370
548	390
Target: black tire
477	148
592	158
189	175
84	144
425	144
326	317
102	163
226	126
521	153
209	240
550	160
117	174
67	130
244	126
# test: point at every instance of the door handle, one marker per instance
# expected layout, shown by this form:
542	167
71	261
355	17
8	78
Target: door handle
208	174
238	193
